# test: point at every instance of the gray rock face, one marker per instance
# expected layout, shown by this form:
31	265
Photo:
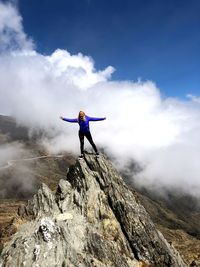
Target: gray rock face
92	220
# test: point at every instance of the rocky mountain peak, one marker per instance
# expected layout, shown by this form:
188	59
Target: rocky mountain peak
93	219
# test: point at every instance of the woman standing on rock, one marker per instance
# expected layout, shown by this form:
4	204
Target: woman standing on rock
84	131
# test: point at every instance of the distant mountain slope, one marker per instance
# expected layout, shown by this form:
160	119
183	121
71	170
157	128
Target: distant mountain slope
176	212
9	127
178	226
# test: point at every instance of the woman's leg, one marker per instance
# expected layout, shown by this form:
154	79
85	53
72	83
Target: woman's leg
89	138
81	138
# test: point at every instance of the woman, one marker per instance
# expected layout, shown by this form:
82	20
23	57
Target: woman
84	131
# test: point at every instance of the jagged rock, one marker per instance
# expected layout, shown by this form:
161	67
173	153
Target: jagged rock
42	203
92	220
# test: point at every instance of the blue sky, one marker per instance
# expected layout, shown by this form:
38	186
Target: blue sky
156	40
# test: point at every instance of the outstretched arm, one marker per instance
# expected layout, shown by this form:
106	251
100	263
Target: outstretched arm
68	120
96	119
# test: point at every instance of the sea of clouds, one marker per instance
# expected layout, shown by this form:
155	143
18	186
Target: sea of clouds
161	134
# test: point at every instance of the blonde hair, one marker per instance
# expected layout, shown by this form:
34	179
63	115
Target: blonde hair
79	117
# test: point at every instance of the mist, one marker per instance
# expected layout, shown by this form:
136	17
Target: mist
10	151
16	176
161	134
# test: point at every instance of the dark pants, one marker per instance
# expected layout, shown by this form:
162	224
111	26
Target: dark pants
89	138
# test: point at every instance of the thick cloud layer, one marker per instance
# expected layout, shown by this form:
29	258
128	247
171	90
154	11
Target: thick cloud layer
162	134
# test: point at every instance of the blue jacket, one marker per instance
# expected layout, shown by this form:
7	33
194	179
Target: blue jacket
84	124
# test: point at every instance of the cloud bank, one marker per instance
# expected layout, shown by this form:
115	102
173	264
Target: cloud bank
162	134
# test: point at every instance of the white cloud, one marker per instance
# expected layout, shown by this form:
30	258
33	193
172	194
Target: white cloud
161	134
194	98
77	69
11	30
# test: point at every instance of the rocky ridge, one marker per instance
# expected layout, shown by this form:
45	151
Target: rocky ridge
92	220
